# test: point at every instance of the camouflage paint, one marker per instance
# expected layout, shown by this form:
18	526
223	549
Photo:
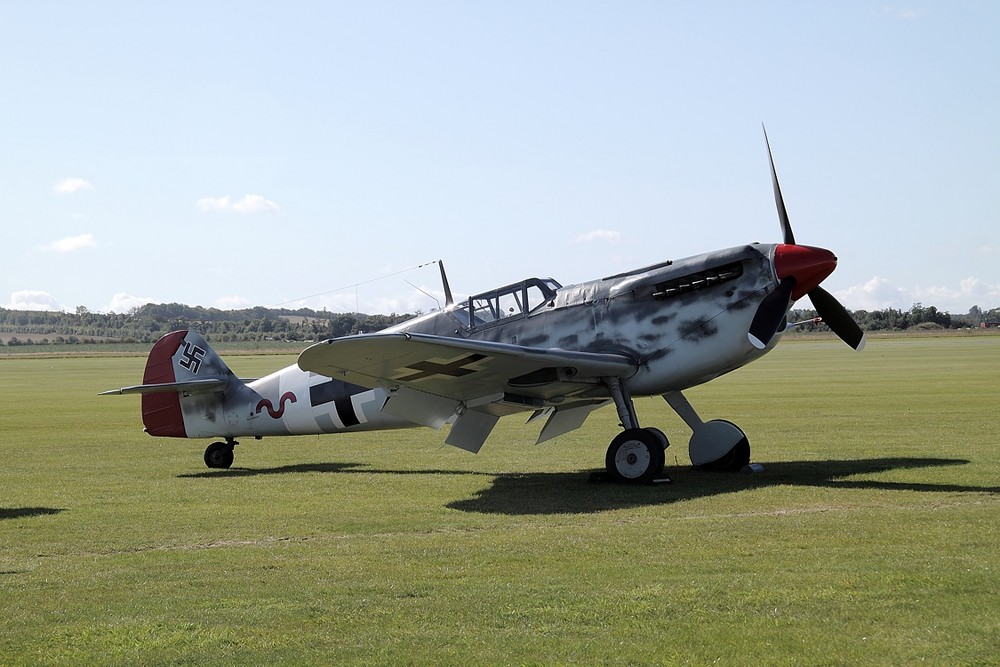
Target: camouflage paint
675	342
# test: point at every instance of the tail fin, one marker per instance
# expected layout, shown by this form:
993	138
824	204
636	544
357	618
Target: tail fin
180	361
181	368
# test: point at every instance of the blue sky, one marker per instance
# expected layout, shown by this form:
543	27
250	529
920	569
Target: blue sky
235	154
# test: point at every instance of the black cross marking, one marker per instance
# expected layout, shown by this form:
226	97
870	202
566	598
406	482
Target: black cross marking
339	393
191	357
455	369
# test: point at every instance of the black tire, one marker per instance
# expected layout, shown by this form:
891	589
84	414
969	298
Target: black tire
219	455
659	434
635	456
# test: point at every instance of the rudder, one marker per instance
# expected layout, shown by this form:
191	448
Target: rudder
178	357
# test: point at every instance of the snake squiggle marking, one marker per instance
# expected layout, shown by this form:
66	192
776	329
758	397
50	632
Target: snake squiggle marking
276	414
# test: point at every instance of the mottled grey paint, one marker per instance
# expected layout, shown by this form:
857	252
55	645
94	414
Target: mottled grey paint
676	339
620	314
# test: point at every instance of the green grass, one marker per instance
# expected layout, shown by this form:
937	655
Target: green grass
871	538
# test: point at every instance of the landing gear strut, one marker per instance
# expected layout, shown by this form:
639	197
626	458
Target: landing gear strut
220	454
715	444
636	455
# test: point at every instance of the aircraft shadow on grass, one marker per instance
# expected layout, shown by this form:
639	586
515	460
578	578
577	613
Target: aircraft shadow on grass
570	492
556	493
322	467
20	512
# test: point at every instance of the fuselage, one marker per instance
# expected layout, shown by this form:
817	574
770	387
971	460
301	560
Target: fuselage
683	323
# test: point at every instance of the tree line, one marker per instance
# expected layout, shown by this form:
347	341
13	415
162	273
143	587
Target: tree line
918	317
147	323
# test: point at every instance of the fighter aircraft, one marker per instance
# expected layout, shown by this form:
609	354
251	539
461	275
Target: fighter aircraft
534	346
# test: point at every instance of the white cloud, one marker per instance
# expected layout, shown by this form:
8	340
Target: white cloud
249	204
875	294
254	204
213	203
878	294
71	185
405	302
231	303
29	299
974	286
72	243
123	303
970	292
599	235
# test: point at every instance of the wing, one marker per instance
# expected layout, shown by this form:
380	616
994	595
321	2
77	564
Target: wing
431	379
460	369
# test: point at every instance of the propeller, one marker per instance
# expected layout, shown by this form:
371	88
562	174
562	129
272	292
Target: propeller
786	226
800	270
837	318
770	314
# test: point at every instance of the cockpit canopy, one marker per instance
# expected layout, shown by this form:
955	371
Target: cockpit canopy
513	301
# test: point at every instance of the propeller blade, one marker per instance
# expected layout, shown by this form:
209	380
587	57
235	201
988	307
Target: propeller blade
837	318
770	313
779	202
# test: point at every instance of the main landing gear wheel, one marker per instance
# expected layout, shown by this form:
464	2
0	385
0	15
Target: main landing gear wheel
219	455
635	456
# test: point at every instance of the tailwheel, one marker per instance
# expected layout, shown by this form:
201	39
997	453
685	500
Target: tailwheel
635	456
219	454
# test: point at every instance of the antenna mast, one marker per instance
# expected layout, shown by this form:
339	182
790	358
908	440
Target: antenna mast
448	300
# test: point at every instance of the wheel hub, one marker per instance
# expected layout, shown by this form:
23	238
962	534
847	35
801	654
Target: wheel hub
635	456
632	459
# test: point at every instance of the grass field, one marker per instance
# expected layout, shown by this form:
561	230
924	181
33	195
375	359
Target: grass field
871	538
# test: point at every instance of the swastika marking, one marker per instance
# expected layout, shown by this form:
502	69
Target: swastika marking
191	357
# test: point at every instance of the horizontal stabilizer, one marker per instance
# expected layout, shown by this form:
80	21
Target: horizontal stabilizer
190	387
